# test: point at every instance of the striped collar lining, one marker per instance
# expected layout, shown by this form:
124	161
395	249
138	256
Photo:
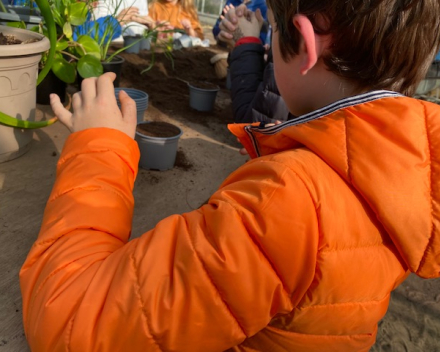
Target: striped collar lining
327	110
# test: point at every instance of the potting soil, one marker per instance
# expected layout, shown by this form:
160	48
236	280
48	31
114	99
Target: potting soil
166	84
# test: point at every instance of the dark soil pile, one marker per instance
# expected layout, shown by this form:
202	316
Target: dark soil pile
158	129
166	82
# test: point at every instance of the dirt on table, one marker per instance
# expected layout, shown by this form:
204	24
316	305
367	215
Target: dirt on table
167	81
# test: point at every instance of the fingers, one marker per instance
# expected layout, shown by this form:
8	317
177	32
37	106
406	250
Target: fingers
64	115
105	88
225	36
227	26
88	90
241	10
243	151
259	17
128	108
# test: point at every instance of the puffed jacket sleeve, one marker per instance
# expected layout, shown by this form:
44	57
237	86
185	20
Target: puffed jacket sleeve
201	281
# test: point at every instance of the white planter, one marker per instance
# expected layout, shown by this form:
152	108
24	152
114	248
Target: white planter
18	80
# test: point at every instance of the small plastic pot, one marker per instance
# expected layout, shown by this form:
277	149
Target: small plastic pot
139	96
202	99
157	153
135	48
145	44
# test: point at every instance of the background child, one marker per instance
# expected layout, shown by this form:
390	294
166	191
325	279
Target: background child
131	14
254	92
180	14
299	248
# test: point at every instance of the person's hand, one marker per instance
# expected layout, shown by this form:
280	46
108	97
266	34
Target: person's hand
239	22
127	15
249	25
146	20
95	106
228	25
186	23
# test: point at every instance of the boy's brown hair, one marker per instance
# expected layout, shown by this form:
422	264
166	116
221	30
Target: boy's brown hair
377	44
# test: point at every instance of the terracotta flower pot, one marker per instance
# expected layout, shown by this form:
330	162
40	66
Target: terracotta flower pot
18	81
157	143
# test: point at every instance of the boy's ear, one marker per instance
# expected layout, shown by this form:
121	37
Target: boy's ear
311	47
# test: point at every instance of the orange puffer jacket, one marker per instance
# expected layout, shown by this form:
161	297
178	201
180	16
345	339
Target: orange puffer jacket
298	250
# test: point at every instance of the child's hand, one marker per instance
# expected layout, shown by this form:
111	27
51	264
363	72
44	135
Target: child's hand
186	23
95	106
127	15
228	25
249	25
146	20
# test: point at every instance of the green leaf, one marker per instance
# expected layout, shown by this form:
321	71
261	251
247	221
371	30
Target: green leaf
64	70
13	122
63	44
20	24
77	13
67	30
90	66
90	46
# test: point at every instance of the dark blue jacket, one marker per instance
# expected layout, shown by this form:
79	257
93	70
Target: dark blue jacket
254	93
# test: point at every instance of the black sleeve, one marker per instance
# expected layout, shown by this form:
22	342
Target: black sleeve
254	93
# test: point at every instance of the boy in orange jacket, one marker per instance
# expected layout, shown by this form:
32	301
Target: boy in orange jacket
299	248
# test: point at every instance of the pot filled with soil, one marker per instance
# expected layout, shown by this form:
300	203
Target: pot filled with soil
20	53
140	98
202	95
157	143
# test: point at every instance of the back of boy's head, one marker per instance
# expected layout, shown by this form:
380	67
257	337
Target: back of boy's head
376	44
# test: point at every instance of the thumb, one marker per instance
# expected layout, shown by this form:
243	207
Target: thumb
259	17
64	115
128	107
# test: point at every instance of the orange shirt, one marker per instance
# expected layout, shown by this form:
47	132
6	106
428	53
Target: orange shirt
174	15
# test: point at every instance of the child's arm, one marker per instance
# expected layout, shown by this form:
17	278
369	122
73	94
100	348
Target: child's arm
201	281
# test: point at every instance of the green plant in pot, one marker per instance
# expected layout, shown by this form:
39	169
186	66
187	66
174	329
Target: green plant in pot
83	43
18	72
6	119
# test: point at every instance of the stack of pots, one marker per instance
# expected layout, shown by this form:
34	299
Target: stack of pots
140	97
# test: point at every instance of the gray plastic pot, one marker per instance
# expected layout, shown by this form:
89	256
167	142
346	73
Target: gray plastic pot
139	96
145	44
136	47
18	82
202	99
158	153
